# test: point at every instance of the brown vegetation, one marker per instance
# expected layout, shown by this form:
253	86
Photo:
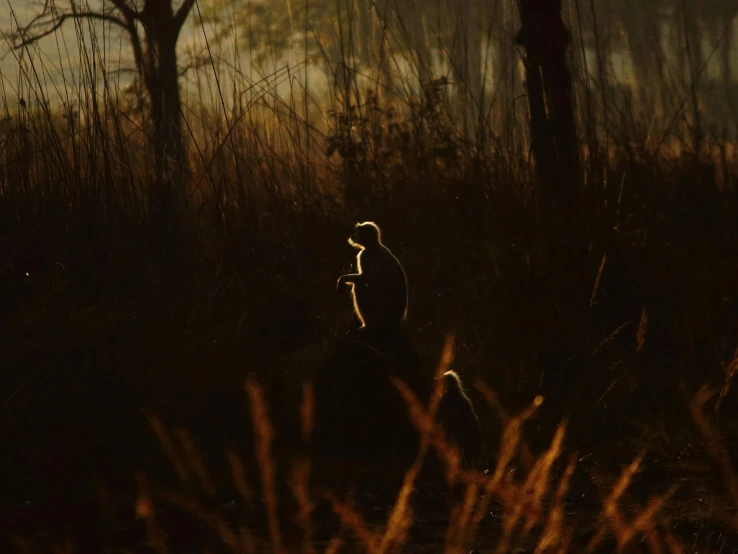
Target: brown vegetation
114	302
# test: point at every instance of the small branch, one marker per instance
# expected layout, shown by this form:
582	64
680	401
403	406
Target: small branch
58	21
128	13
182	13
136	45
196	62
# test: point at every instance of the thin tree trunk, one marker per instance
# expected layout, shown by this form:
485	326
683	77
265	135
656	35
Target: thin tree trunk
503	71
167	119
467	66
364	32
162	83
644	42
548	80
726	63
380	19
409	20
693	49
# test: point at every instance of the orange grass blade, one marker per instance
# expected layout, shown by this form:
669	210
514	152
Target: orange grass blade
264	435
352	519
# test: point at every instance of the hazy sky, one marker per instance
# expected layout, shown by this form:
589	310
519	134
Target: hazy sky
56	59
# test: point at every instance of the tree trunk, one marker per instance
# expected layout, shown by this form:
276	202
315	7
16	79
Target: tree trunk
162	83
380	22
548	80
411	30
167	117
467	66
644	42
364	35
504	71
693	48
726	65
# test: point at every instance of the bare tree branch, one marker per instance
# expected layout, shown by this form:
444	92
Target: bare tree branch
197	61
183	12
136	45
155	54
26	37
128	13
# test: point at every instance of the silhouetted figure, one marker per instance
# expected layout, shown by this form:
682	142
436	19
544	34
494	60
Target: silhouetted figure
545	39
379	289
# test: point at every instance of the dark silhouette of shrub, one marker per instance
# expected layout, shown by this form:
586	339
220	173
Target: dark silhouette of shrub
360	414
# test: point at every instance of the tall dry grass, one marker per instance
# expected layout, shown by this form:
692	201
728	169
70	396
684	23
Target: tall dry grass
110	301
520	503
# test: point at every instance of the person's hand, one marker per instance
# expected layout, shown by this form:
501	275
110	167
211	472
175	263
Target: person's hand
341	281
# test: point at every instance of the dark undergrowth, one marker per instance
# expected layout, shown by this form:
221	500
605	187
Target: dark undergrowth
118	309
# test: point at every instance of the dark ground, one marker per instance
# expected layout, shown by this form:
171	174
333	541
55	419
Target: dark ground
109	316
